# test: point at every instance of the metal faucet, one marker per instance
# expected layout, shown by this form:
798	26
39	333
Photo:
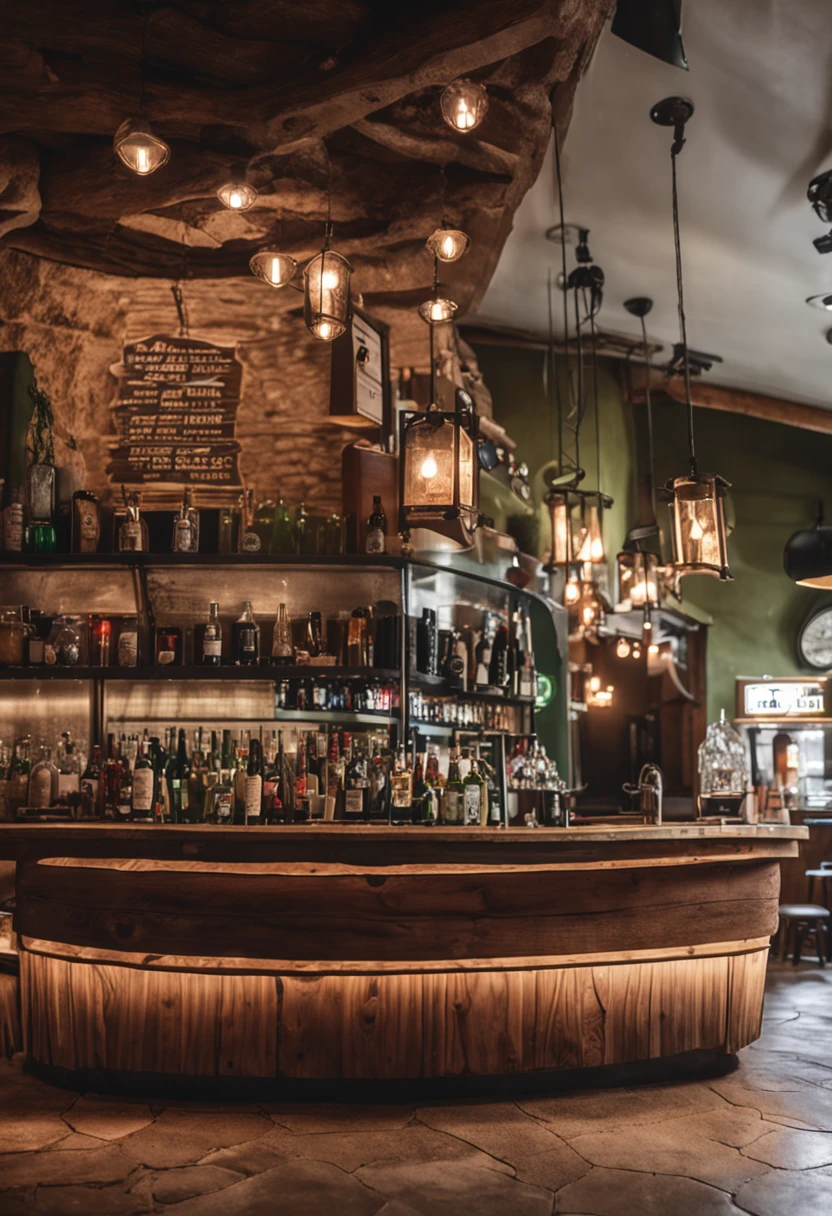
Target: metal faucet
650	790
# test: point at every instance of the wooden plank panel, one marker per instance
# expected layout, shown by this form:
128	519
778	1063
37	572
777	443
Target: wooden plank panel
746	989
399	918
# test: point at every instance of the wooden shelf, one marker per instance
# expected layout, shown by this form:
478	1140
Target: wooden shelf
270	674
60	561
439	687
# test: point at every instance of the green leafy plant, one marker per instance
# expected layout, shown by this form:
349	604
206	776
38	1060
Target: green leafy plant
40	441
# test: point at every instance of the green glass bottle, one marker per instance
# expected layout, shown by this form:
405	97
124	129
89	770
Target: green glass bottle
283	532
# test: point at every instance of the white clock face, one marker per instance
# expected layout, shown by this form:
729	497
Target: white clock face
816	641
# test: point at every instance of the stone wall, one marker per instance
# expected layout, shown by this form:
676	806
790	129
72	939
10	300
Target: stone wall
73	323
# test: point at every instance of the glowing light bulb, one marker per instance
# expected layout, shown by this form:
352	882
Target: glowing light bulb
235	200
237	195
464	104
648	624
324	330
436	311
429	468
696	532
329	280
623	648
142	160
572	591
636	652
449	246
275	270
588	614
596	549
594	683
652	648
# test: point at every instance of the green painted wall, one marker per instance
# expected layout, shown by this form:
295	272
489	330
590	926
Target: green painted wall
778	473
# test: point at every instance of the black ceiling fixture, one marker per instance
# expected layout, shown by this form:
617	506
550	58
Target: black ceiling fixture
819	195
653	26
807	557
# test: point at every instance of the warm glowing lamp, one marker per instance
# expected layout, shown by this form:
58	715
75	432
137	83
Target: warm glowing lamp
560	519
572	589
638	578
138	148
438	472
697	524
590	542
326	304
273	267
448	244
622	648
237	195
464	104
437	311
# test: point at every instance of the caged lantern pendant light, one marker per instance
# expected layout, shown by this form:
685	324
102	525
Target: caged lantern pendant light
326	282
134	143
463	104
448	244
697	513
237	194
273	267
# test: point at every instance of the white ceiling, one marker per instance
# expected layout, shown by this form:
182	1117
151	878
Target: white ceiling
761	81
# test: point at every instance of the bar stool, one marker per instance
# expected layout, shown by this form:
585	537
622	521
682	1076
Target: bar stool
824	874
798	920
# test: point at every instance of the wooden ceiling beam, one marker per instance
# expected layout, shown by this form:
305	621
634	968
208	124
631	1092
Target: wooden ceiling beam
729	400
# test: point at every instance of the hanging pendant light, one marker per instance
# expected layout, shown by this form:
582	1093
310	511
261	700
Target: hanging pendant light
138	148
438	487
463	105
572	589
638	578
273	267
326	286
560	519
590	541
237	194
697	515
807	557
437	310
448	244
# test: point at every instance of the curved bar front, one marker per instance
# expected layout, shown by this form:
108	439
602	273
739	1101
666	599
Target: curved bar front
334	952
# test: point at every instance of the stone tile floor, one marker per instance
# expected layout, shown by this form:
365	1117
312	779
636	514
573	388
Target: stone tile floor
757	1140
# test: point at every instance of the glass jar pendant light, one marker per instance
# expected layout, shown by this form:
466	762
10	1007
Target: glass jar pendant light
697	515
638	578
438	475
273	267
448	244
560	520
590	542
237	194
326	293
138	148
464	104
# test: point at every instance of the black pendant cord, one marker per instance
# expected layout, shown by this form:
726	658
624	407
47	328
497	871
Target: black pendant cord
145	21
578	420
682	324
593	334
559	182
431	328
651	468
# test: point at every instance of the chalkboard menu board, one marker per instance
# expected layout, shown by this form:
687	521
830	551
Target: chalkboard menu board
176	413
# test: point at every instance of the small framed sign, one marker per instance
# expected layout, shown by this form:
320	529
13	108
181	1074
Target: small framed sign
777	700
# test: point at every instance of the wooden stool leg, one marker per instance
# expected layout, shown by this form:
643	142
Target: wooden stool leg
785	930
798	942
810	889
819	940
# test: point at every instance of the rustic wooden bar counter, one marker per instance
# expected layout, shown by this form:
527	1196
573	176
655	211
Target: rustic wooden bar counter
336	952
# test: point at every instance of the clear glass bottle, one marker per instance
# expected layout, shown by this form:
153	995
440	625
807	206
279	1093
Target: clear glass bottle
69	643
282	652
131	532
12	637
212	637
186	526
69	768
43	781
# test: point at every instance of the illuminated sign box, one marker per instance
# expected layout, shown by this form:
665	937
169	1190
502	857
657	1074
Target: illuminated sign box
778	699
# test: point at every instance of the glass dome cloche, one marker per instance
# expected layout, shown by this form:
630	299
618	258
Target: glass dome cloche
723	764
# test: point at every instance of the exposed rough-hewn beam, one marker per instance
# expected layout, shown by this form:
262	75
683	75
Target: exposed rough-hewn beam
731	401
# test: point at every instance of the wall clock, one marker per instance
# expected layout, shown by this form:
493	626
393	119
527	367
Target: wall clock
814	643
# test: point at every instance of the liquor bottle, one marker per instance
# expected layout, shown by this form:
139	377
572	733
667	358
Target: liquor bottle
13	523
376	527
335	777
528	677
495	801
239	766
435	782
186	526
401	787
453	798
475	798
254	784
263	524
43	781
356	785
212	637
128	642
249	539
314	635
159	760
283	533
245	638
482	654
282	786
358	640
124	800
144	786
131	537
228	530
379	776
417	806
91	785
282	652
69	768
196	782
427	643
86	522
177	773
498	663
305	533
223	791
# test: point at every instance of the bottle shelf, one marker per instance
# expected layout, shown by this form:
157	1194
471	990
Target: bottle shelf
60	561
439	687
267	674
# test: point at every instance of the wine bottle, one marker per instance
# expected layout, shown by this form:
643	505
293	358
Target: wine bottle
282	641
177	773
453	809
356	785
144	786
376	527
212	637
475	798
498	662
254	784
245	639
91	785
